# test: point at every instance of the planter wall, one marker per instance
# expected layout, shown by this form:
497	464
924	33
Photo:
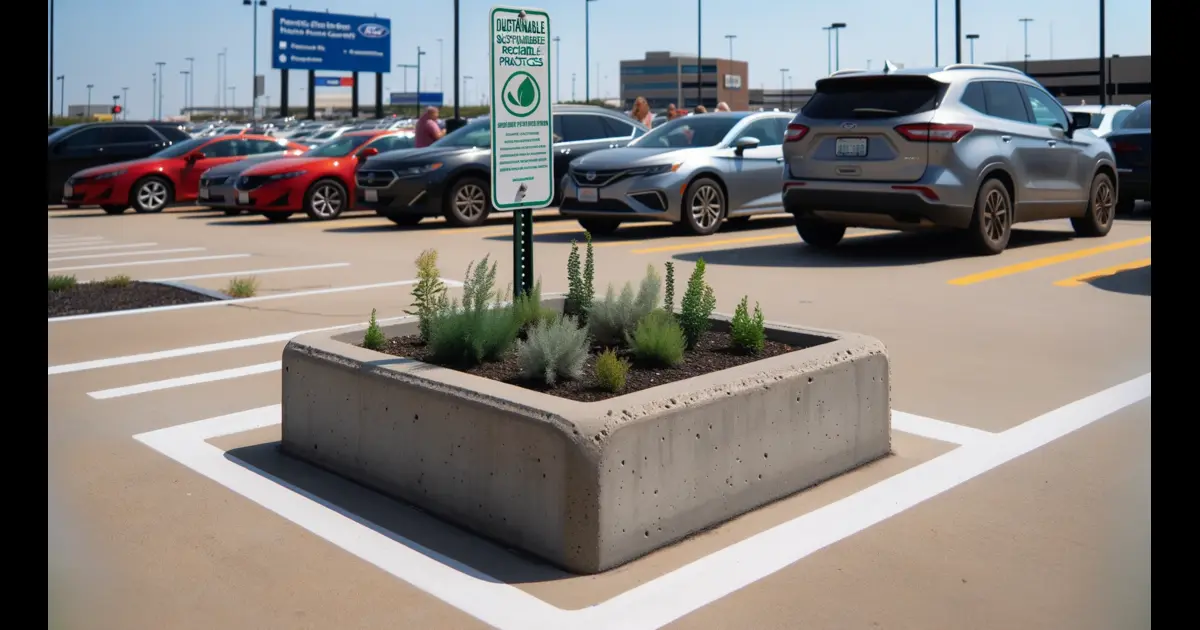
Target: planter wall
588	486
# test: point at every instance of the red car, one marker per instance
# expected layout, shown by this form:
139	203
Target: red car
169	176
319	183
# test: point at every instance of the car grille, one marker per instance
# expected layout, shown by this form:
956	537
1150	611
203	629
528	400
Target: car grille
375	179
250	182
214	181
598	177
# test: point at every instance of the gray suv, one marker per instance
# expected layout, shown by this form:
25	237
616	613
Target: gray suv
971	147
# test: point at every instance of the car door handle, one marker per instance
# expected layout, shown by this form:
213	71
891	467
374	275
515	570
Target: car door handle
1006	138
1052	143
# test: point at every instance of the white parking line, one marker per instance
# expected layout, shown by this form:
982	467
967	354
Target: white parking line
139	263
938	430
236	302
62	250
653	604
70	239
251	272
152	251
184	381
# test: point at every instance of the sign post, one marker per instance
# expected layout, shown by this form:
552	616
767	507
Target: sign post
522	152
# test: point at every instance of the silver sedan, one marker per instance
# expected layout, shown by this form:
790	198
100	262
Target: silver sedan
694	171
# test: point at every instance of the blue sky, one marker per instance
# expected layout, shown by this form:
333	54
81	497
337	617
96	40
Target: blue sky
114	43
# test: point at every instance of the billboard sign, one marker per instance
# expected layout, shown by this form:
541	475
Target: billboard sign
309	40
437	99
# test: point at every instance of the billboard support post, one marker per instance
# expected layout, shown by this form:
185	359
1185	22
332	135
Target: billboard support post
379	95
312	95
354	95
283	93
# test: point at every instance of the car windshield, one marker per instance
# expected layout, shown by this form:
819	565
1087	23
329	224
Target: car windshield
693	131
325	135
477	133
1139	119
340	147
60	133
181	149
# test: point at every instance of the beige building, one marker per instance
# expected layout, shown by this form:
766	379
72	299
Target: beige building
664	78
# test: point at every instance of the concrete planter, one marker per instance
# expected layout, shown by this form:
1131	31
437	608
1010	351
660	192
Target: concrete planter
588	486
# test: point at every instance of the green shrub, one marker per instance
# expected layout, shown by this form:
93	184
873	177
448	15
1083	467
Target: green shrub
242	287
748	334
658	340
580	285
479	285
611	371
480	329
528	308
429	294
374	339
554	350
697	306
612	320
118	281
61	283
669	301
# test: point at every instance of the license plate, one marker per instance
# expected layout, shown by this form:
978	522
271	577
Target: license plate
204	192
68	191
243	197
588	195
371	195
851	147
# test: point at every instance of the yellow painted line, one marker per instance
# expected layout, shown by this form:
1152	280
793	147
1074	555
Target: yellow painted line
1083	278
737	241
1038	263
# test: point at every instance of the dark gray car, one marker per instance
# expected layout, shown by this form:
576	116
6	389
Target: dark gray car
216	184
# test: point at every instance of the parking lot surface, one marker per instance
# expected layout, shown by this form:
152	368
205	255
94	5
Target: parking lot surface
1018	494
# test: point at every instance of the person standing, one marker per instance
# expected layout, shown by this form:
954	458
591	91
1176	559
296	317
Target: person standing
672	113
700	109
722	106
427	131
641	112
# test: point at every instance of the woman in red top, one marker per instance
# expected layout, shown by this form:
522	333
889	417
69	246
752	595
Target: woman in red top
641	112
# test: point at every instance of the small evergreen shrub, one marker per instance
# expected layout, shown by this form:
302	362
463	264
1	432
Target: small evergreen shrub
580	284
748	333
61	283
480	329
611	371
554	350
528	308
118	281
669	301
611	321
374	339
242	287
658	340
429	294
697	306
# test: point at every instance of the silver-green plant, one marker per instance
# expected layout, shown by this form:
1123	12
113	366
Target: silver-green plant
613	319
553	350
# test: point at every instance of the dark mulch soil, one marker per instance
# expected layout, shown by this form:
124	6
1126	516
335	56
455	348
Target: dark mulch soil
713	353
96	297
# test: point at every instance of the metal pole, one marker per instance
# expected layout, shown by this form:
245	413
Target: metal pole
89	101
699	54
1025	23
185	89
1100	60
50	118
783	87
456	116
224	76
971	37
254	65
191	104
731	38
936	58
587	49
153	97
828	49
62	96
124	103
419	54
161	81
220	99
441	69
572	86
957	31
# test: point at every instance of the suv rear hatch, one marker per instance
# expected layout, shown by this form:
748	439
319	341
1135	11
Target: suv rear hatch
872	128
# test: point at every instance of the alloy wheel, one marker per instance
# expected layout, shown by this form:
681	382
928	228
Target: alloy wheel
706	207
152	195
327	201
996	215
470	202
1104	204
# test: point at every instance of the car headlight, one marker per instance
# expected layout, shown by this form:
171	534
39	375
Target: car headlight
289	175
656	170
420	170
111	175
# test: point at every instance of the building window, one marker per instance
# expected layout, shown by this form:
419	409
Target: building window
644	70
692	69
692	85
656	85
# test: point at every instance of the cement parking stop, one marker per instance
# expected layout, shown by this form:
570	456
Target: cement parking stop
951	345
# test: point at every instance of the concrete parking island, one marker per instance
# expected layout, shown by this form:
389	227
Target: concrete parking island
587	486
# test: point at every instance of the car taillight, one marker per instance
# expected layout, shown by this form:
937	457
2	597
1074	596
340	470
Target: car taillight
934	132
1124	147
795	132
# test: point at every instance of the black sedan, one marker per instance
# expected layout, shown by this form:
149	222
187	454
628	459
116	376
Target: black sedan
1131	147
452	177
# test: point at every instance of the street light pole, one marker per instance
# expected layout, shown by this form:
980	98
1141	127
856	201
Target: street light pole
224	76
1025	23
50	118
466	77
557	69
233	97
699	54
154	97
89	100
185	74
254	63
828	49
837	44
441	85
124	103
456	117
587	49
731	38
957	31
420	53
936	58
783	87
572	86
971	37
1104	78
62	95
161	80
191	82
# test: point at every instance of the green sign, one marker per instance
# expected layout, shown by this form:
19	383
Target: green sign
522	134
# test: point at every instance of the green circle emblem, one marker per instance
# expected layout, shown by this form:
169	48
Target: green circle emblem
521	95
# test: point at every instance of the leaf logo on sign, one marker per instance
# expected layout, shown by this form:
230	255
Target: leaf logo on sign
524	95
521	94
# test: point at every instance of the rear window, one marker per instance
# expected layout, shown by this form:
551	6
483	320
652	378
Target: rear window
1140	118
873	97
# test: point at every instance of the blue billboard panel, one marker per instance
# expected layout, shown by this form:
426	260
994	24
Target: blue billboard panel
436	99
308	40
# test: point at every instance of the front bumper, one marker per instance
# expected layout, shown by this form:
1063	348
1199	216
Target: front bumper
280	196
220	193
401	195
871	204
636	198
95	192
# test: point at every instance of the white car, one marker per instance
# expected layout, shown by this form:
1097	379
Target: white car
325	135
1105	118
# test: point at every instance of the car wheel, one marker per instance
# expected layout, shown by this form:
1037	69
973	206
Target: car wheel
1101	209
277	217
325	200
819	234
406	220
151	194
1125	205
467	204
600	227
703	207
114	209
234	213
991	225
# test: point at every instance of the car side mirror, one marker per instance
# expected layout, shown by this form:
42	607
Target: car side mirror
195	157
743	143
367	152
1080	120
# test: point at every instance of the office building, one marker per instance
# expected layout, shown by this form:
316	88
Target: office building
1076	80
664	78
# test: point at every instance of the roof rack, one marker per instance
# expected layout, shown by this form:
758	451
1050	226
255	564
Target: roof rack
980	66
